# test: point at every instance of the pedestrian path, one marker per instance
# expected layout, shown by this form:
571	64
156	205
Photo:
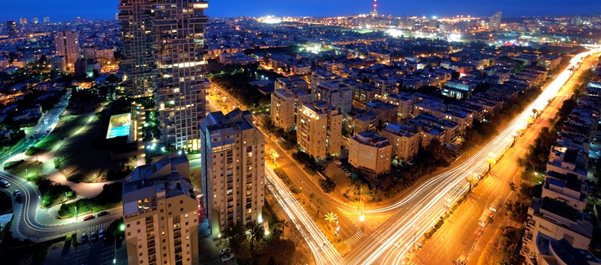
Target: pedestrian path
354	239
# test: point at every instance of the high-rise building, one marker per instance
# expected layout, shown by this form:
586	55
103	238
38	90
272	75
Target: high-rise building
495	21
181	82
233	169
67	46
137	36
23	21
11	28
46	20
319	129
161	214
35	20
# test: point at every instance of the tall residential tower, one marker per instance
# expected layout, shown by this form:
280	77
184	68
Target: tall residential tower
137	35
233	169
161	214
181	81
67	46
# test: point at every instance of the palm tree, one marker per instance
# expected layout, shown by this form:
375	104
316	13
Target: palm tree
331	217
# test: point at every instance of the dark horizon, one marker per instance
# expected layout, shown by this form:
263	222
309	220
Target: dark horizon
66	10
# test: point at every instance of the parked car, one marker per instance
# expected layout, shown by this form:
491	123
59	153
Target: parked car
83	238
93	236
89	217
227	256
101	234
4	183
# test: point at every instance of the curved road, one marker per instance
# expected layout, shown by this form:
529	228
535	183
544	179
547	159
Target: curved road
26	222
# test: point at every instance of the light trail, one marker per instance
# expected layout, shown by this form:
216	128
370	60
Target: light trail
427	200
323	251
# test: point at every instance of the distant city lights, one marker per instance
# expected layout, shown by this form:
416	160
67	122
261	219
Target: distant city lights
270	20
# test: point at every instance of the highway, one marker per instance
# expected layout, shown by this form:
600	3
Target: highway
420	210
416	213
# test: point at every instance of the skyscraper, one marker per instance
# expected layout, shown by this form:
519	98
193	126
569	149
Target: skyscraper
137	36
181	81
233	169
161	214
46	20
11	28
495	21
23	21
67	45
35	20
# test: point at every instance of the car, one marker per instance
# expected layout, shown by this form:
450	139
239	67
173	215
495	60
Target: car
89	217
101	233
223	251
17	194
83	238
93	236
4	183
227	256
103	213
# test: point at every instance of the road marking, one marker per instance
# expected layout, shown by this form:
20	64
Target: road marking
354	239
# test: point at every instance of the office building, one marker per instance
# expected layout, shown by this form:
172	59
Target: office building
160	212
23	21
46	20
181	82
35	20
137	63
371	152
319	129
233	169
67	46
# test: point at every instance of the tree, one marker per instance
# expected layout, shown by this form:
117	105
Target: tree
331	217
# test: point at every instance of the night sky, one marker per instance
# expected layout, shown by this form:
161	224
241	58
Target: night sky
60	10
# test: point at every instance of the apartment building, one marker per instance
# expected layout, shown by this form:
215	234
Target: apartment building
371	152
319	129
233	169
161	214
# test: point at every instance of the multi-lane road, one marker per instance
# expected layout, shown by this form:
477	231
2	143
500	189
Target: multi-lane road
417	212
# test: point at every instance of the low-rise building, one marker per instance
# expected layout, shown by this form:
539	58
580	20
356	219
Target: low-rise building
371	152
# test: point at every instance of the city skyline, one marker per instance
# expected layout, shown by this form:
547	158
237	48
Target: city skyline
64	10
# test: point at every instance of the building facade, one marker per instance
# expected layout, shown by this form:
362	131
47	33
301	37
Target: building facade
161	214
336	93
233	169
137	61
319	129
67	46
181	79
405	140
371	152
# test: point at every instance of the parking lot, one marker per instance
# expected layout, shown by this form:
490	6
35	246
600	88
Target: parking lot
88	251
